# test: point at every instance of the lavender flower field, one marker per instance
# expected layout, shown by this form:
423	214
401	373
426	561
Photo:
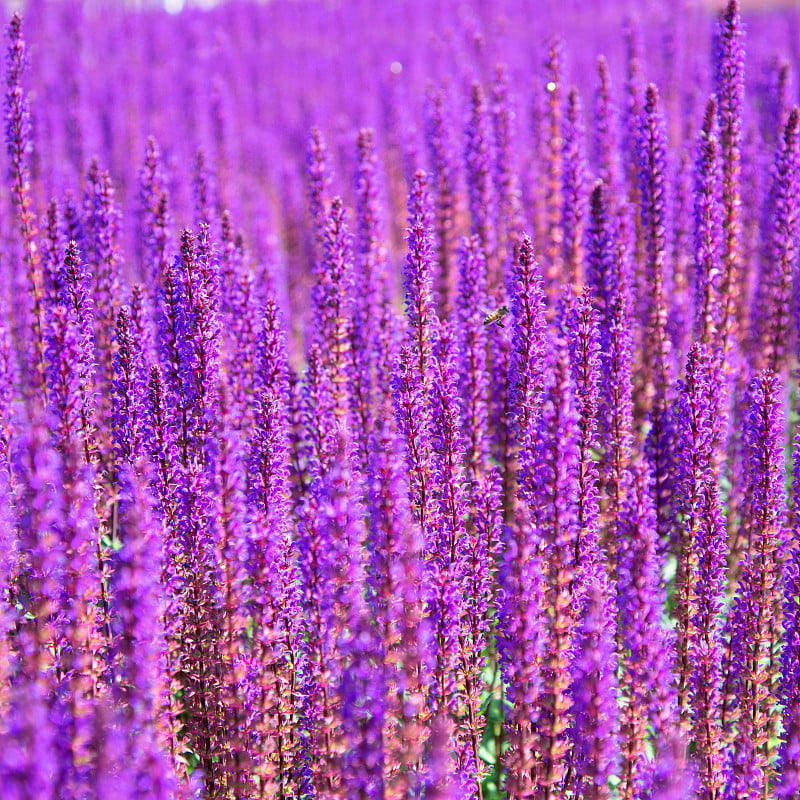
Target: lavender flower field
399	400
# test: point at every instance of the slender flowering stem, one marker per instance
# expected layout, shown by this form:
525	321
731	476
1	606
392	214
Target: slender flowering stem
729	89
574	188
418	274
19	146
779	341
708	230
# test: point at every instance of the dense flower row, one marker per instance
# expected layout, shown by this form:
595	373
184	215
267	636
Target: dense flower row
486	497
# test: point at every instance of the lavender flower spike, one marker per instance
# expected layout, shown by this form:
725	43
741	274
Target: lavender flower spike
552	487
443	179
782	266
574	189
595	733
526	374
520	642
472	343
129	391
318	180
755	616
648	683
479	183
139	643
729	89
790	657
333	305
418	277
584	347
19	145
708	230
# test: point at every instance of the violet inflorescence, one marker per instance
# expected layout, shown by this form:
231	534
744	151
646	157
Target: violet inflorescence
400	401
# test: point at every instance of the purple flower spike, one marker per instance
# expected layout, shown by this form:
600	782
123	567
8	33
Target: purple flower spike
632	111
608	277
506	176
418	277
102	220
317	416
53	250
751	686
526	374
161	448
239	302
19	146
268	554
552	489
595	733
396	550
647	683
602	268
729	89
438	782
204	190
129	389
554	200
708	230
520	644
160	444
790	657
200	623
38	475
139	643
606	125
460	563
657	355
472	344
693	479
269	453
574	189
479	183
75	299
445	548
701	571
318	178
362	694
141	318
237	689
584	350
673	777
369	274
444	175
74	289
82	623
410	410
29	760
332	571
155	218
198	339
447	446
333	306
63	373
169	313
780	270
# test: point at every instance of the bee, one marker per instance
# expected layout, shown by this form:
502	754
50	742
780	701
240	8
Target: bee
496	316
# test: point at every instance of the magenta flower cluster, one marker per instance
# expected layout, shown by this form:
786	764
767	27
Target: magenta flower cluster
399	401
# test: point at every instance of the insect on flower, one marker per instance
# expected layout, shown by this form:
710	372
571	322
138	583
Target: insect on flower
496	316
